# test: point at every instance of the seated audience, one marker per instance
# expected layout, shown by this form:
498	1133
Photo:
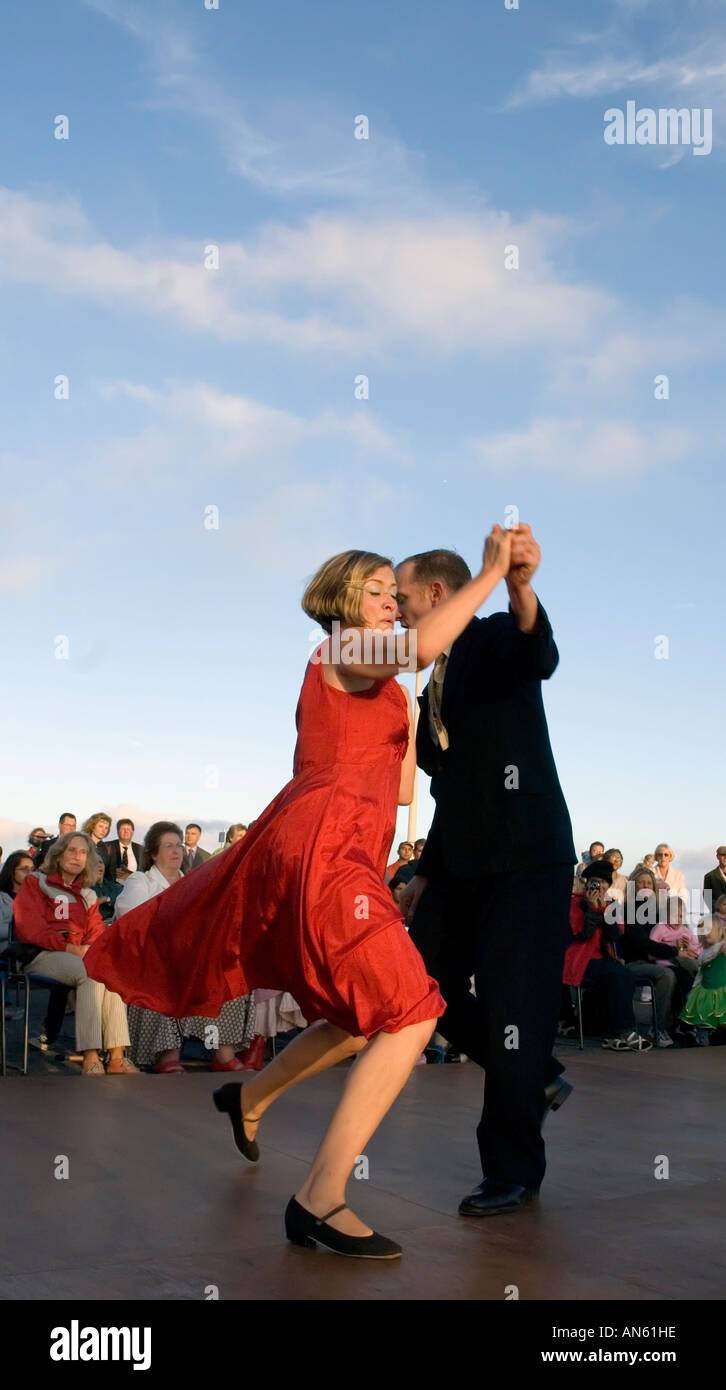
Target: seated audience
591	958
405	855
56	914
15	869
644	907
156	1039
705	1008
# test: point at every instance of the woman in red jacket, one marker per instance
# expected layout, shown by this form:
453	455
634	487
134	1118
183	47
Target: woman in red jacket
56	910
592	958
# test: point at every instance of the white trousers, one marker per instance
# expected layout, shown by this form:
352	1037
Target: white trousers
100	1015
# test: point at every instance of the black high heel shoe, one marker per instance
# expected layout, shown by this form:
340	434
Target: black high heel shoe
303	1228
227	1099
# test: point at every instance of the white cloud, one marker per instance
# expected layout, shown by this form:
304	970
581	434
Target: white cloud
434	286
583	448
699	74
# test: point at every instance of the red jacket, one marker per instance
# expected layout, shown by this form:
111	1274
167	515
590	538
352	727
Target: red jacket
50	914
580	953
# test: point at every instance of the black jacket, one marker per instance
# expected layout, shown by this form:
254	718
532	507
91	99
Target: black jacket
499	804
715	883
113	860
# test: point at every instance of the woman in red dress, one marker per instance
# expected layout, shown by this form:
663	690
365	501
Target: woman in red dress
300	904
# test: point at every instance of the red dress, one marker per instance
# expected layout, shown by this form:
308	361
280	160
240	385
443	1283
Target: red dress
299	904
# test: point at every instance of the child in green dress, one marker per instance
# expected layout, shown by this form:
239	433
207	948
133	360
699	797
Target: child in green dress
705	1008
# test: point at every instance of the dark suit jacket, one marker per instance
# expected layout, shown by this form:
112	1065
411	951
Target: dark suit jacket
199	857
113	848
493	713
714	882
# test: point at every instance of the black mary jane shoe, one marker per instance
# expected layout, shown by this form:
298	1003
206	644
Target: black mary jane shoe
227	1099
490	1198
303	1228
556	1094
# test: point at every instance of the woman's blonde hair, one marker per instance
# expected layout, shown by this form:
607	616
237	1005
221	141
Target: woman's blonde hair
336	590
51	862
90	825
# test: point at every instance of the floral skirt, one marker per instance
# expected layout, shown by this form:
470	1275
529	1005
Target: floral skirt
152	1033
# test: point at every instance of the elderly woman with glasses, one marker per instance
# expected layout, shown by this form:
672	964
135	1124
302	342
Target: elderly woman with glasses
675	880
56	912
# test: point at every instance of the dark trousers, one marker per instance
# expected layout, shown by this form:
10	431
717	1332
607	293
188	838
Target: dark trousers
510	931
616	983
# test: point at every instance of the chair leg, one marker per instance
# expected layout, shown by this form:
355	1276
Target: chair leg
579	1018
26	1024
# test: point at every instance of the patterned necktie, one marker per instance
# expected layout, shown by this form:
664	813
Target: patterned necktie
436	685
125	858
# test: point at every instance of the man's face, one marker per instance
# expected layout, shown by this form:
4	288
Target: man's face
125	834
597	851
722	861
192	837
415	600
66	824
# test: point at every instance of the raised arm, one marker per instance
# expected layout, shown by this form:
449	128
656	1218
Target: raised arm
416	649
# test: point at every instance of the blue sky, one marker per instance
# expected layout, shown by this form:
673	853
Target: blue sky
234	388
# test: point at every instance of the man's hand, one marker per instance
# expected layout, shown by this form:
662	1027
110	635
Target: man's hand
525	558
408	901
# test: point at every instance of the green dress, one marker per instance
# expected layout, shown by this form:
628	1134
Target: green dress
706	1003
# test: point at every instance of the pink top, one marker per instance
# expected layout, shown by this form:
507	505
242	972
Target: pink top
671	935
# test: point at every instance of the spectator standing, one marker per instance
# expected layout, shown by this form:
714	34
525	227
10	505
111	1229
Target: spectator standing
620	882
675	880
123	853
98	826
236	832
193	855
714	881
596	851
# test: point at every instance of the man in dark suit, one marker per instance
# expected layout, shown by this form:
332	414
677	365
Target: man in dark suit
193	855
715	880
491	894
124	855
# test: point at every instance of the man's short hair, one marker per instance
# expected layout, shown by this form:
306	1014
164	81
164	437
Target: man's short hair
125	820
193	826
439	564
66	815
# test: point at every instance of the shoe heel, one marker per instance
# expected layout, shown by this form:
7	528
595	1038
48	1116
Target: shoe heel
223	1097
305	1241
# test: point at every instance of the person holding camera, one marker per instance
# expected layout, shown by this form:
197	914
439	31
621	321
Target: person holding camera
591	958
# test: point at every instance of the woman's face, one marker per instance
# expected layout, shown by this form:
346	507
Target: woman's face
643	884
170	853
616	860
663	859
73	859
379	600
406	852
101	829
21	870
237	834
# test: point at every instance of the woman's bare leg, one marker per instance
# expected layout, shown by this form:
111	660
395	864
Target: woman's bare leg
373	1083
320	1046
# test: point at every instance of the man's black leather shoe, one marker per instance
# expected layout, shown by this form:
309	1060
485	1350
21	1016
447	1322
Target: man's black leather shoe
556	1094
489	1198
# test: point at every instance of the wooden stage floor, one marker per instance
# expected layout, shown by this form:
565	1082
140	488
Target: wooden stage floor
158	1206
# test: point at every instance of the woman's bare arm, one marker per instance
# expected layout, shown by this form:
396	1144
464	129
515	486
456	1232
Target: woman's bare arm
408	766
376	656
